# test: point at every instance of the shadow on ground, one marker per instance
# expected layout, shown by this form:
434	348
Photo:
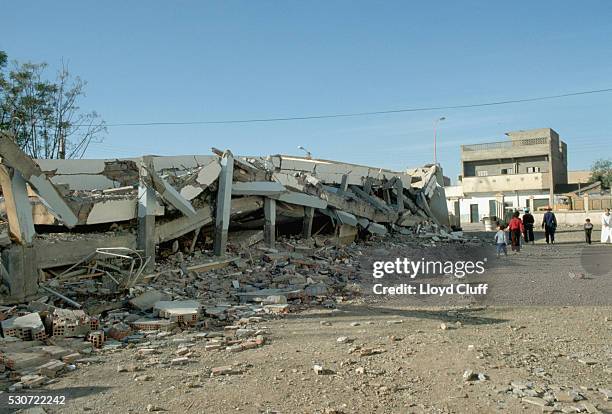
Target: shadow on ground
462	315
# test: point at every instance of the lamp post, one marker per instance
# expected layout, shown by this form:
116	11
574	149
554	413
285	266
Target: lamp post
308	154
435	124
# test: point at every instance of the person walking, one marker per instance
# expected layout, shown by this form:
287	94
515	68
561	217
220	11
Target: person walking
500	241
606	227
549	224
528	222
516	229
588	229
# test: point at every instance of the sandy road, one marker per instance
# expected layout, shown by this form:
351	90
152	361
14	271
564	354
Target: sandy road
400	355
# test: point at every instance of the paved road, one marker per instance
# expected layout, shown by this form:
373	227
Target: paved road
568	273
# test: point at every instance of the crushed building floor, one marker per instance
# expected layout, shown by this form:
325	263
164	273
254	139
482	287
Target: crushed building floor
97	254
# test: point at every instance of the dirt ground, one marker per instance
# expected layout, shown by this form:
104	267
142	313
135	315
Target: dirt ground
392	354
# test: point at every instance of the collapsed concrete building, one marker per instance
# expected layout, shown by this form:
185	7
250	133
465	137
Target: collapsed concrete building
58	213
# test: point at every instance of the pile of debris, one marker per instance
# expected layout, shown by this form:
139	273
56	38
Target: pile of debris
61	214
100	254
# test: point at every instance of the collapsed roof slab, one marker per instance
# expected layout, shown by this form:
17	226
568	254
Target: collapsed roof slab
331	172
92	211
13	156
102	174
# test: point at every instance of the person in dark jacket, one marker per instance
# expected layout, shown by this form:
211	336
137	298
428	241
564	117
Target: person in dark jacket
516	228
588	230
528	222
549	224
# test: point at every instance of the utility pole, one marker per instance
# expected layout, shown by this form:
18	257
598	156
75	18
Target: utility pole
435	152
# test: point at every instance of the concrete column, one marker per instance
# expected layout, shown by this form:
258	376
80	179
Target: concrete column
17	205
270	221
146	215
387	196
399	189
343	184
307	223
224	202
367	186
22	281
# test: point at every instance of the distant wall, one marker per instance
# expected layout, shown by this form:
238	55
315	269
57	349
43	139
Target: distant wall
572	218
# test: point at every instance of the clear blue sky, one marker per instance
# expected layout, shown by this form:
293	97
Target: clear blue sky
184	61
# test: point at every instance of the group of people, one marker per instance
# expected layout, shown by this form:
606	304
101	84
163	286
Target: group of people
518	229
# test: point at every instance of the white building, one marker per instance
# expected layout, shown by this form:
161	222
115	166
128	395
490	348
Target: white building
499	177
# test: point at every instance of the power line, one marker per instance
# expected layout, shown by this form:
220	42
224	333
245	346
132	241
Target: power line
354	114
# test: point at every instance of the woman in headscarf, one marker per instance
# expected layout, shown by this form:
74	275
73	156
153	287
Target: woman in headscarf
516	229
606	227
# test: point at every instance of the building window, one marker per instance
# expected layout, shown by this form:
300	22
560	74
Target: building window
483	173
506	171
533	169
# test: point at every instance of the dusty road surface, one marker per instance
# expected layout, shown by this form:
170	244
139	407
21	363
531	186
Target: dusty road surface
541	343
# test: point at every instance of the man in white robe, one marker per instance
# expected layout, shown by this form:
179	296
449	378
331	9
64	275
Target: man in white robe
606	227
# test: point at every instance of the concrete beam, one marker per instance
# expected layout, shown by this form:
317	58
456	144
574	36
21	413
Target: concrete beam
183	225
18	206
346	218
165	190
354	206
307	223
300	199
224	202
375	201
270	221
180	226
262	188
13	156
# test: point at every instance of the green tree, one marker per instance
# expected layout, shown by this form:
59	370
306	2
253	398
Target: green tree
601	170
43	115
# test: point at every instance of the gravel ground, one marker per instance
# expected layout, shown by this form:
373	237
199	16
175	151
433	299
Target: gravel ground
394	354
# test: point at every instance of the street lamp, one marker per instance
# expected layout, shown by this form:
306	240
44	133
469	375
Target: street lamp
308	154
435	124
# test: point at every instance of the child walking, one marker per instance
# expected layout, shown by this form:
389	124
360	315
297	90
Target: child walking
588	229
500	240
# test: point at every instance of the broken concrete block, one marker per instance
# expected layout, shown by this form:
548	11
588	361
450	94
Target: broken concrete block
33	381
318	289
71	358
68	323
275	300
376	228
319	370
276	309
96	338
28	327
145	324
224	370
535	401
21	360
179	311
146	300
51	368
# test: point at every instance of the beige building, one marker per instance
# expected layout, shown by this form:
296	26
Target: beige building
498	177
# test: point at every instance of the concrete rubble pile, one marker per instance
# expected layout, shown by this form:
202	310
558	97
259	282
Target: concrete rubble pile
102	254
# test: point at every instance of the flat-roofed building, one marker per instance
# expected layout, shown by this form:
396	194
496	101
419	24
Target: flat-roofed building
498	177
